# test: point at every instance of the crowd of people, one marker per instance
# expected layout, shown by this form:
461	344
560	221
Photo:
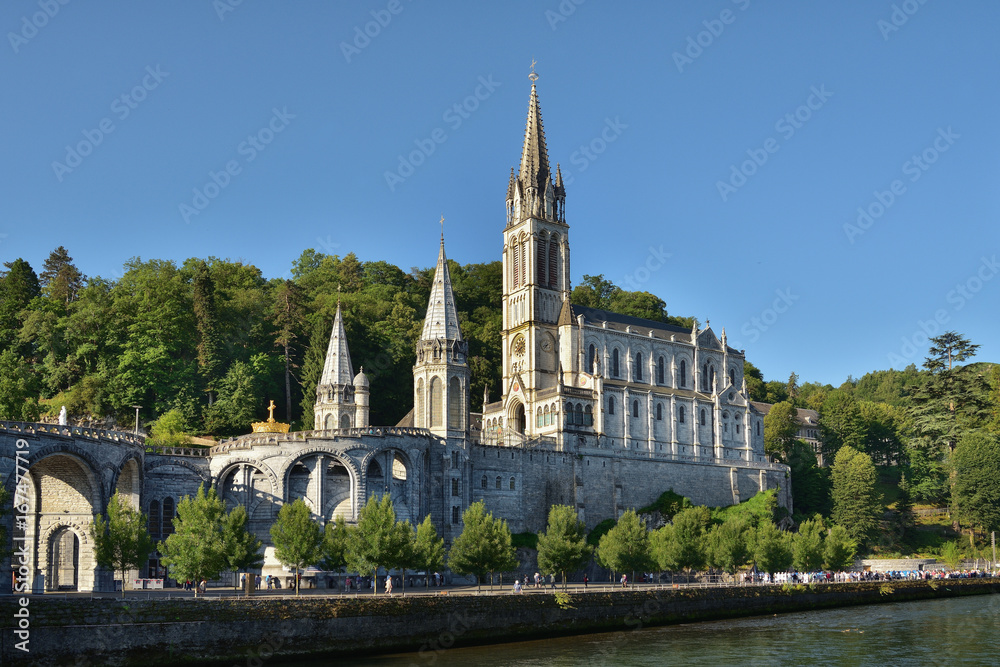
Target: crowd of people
864	575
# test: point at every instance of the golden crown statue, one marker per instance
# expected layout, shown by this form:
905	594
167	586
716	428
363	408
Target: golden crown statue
270	426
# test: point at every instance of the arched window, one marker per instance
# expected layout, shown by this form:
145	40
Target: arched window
167	526
483	482
517	264
659	371
554	261
635	408
680	414
614	364
512	485
703	416
454	487
455	514
704	377
499	482
154	519
455	403
588	416
540	256
546	417
611	405
758	428
435	402
732	376
638	367
569	414
591	356
711	378
659	412
579	415
682	381
524	259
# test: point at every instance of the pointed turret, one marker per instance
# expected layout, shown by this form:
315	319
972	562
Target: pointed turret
336	407
533	193
337	368
534	171
442	316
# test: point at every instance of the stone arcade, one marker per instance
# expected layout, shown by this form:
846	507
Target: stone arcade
597	410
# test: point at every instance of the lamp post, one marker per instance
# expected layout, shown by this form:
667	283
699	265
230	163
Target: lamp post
137	418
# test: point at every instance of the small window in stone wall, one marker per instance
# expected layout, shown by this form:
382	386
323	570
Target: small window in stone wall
659	412
454	487
455	514
703	417
167	525
499	482
484	482
511	483
454	460
611	405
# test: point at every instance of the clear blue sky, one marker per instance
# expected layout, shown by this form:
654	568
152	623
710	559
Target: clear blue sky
664	123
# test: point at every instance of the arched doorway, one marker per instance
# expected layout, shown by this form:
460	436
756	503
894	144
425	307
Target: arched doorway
520	423
64	560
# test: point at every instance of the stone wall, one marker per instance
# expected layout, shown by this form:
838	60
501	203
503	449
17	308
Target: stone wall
167	632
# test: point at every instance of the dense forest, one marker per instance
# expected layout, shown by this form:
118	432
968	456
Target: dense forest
203	347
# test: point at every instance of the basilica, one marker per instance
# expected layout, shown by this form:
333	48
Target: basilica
597	410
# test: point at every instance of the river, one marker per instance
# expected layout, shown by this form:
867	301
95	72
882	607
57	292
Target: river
955	631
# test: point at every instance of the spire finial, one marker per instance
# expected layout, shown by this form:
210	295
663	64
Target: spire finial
338	297
533	76
442	229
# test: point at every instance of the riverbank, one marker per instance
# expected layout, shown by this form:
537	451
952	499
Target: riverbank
179	631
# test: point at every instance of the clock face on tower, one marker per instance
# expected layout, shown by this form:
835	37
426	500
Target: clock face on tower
518	347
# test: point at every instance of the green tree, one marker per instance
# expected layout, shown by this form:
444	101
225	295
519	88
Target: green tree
483	547
242	548
194	551
209	347
379	540
336	537
288	318
755	382
772	548
170	430
728	545
841	423
298	540
857	503
428	549
18	389
780	429
625	548
563	546
121	541
839	549
975	494
951	554
807	546
60	280
810	483
689	538
18	286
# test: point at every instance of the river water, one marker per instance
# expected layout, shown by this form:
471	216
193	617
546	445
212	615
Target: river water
957	631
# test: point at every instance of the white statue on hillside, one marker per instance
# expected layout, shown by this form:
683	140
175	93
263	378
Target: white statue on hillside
62	416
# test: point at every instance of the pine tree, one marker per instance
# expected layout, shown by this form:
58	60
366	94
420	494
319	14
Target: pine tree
194	551
298	540
563	546
121	541
206	317
18	286
976	490
60	280
838	549
857	504
289	319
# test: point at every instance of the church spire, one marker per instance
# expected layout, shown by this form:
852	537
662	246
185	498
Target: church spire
532	193
534	170
337	369
442	316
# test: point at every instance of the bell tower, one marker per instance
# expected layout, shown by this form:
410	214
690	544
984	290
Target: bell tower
535	273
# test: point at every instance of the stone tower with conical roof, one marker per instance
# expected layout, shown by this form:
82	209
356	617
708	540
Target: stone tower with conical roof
441	374
535	275
341	396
